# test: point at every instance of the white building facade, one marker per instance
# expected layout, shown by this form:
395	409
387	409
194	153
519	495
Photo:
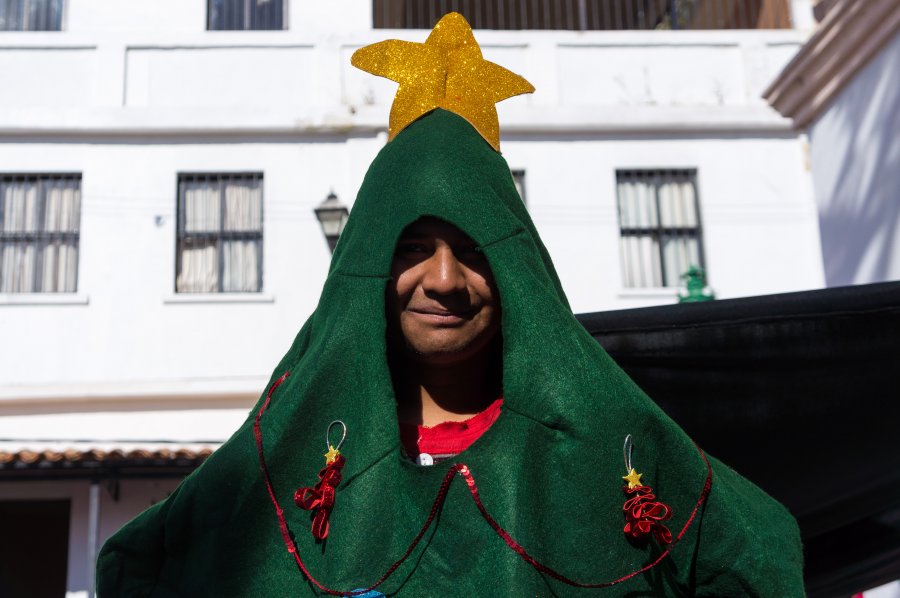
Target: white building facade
842	89
159	245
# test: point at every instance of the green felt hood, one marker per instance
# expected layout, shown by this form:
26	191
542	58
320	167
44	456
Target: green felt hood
549	470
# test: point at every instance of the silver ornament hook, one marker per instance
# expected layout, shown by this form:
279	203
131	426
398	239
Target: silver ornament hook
626	451
328	444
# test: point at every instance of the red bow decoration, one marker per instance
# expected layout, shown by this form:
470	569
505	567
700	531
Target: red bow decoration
321	496
643	515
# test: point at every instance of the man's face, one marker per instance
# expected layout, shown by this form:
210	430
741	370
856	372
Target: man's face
442	294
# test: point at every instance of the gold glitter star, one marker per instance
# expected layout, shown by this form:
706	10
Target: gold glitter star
332	455
448	72
633	478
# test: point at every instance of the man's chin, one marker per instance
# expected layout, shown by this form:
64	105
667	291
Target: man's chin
442	354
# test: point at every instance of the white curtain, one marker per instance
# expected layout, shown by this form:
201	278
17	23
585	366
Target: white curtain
199	259
239	272
640	261
221	206
677	204
679	254
62	209
243	212
199	268
20	207
202	210
243	205
18	268
678	208
640	253
637	205
41	259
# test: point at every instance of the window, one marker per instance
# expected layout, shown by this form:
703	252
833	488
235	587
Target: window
659	219
585	15
519	180
31	15
219	247
242	15
39	224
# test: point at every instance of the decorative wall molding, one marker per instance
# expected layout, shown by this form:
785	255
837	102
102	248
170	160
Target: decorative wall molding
850	35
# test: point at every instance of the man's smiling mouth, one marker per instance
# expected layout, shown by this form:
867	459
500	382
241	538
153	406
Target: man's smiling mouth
441	315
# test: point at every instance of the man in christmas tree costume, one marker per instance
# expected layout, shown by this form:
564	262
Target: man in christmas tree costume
542	502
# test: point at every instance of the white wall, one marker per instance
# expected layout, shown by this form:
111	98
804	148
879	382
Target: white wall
758	217
126	274
130	15
855	155
165	16
301	82
759	223
130	102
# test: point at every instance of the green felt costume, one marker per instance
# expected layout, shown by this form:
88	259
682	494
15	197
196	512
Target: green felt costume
549	470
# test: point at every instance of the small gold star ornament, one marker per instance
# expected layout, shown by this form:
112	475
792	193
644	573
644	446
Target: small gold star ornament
447	71
332	455
633	478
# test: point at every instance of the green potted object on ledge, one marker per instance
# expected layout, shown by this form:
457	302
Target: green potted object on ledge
695	288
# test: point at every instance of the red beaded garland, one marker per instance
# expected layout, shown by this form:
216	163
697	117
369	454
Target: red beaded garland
465	472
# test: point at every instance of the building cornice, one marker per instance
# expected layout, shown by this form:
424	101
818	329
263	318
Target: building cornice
239	392
851	34
115	125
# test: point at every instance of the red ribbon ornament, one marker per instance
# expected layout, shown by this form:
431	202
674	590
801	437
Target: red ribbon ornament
320	498
643	515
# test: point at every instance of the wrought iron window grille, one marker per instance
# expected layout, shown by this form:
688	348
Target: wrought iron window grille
659	224
246	15
219	233
40	216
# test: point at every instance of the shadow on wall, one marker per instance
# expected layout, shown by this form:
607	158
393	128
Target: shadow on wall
858	141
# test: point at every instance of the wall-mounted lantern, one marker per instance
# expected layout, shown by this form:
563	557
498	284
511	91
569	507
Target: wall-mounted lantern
332	215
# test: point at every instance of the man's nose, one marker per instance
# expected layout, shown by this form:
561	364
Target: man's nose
444	273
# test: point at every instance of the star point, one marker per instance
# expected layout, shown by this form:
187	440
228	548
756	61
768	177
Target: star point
332	455
447	71
633	478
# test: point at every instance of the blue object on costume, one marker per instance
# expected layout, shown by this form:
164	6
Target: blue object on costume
369	594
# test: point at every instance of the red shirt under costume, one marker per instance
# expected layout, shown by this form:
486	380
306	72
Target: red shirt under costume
427	445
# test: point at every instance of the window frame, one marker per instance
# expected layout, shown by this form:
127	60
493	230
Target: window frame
660	232
221	235
43	237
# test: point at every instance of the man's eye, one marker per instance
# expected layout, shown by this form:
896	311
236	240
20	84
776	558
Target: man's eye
470	252
411	247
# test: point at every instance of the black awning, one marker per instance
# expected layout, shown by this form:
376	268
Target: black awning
798	392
